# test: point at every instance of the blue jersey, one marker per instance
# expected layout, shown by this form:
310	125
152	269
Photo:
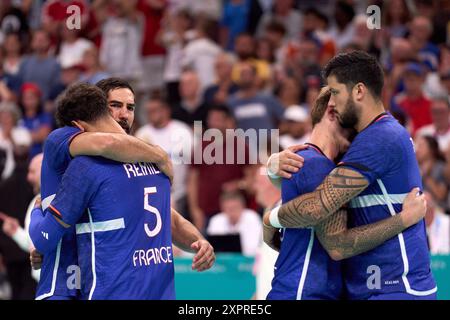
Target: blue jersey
384	153
59	272
122	217
304	269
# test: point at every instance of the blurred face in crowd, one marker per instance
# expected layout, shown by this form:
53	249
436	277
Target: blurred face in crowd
297	129
244	47
233	208
7	121
218	120
264	190
189	85
69	75
90	58
40	42
283	6
421	28
308	53
223	67
247	76
413	83
440	114
12	44
401	49
124	7
346	110
30	101
34	173
422	149
69	34
121	105
264	50
158	114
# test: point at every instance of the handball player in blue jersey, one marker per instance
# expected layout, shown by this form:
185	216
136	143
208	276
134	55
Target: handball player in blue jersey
374	177
61	145
305	268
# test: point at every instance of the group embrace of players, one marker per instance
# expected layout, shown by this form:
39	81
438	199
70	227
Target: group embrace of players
105	227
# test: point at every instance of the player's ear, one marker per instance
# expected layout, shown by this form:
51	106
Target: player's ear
359	91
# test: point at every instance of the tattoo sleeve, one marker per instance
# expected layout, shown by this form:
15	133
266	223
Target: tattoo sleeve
342	243
307	210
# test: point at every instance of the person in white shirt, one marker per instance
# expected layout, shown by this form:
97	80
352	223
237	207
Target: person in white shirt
73	48
440	128
176	138
11	226
438	227
200	53
298	127
236	219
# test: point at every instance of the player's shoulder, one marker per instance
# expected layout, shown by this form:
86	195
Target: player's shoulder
62	133
314	157
385	130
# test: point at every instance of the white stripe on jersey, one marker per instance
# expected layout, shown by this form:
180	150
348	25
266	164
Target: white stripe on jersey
376	200
94	275
55	274
305	266
46	202
403	249
107	225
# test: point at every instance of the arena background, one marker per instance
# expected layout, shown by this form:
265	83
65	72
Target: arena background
194	55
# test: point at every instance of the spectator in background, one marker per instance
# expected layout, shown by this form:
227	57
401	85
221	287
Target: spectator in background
234	22
93	71
440	128
40	67
432	168
9	84
120	50
420	31
72	47
413	102
174	34
283	12
235	218
13	54
438	227
343	31
14	140
396	16
11	226
224	85
275	33
12	20
244	48
34	118
174	137
210	174
191	107
252	109
298	127
201	52
288	91
55	14
152	52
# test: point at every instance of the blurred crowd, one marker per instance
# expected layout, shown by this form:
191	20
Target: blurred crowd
231	64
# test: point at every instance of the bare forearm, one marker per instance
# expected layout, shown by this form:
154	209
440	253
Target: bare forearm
310	209
184	233
351	242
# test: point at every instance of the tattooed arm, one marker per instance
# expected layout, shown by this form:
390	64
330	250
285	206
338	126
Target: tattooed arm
307	210
342	243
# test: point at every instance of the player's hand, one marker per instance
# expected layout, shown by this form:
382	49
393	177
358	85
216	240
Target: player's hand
38	202
284	163
205	257
414	208
10	224
35	259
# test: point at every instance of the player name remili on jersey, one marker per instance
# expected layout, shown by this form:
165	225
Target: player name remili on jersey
140	169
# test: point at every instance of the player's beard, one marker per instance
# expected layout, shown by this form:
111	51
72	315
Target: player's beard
350	116
125	126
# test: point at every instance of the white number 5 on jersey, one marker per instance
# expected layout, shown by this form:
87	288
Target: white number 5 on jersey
148	207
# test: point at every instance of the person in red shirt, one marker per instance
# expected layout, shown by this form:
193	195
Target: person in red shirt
412	102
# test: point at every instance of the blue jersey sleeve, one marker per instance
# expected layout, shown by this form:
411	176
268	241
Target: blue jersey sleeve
372	155
56	148
78	186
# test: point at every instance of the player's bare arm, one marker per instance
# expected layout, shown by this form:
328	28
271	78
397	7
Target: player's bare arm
283	164
342	243
188	238
307	210
122	148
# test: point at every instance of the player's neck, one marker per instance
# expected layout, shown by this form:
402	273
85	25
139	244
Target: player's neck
323	138
368	114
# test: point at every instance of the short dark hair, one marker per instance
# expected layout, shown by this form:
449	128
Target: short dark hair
108	84
319	108
81	102
356	66
221	108
277	27
232	195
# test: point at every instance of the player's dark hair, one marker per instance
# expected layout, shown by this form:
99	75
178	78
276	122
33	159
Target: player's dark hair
354	67
319	108
109	84
81	102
